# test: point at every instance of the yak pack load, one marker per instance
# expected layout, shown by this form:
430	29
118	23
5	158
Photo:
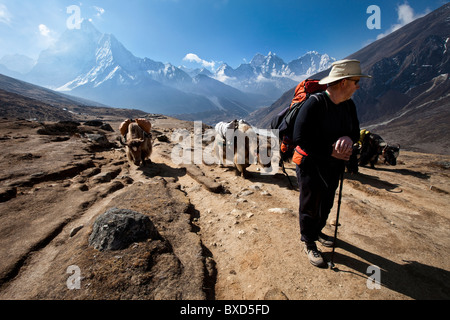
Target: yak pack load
143	123
284	122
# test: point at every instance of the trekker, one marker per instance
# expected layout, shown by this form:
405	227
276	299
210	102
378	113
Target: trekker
325	130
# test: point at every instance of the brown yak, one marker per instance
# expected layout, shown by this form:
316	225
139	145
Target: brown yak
138	144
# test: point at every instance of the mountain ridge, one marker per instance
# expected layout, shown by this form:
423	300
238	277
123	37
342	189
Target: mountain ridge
97	66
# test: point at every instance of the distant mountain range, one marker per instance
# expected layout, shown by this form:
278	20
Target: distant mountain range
270	75
89	64
408	99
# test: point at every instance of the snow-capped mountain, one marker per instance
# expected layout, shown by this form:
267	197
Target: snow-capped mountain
73	54
309	64
97	66
268	66
270	76
86	63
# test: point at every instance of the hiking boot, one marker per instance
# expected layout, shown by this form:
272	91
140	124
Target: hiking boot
326	241
315	258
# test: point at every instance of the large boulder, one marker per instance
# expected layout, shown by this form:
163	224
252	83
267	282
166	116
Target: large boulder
116	229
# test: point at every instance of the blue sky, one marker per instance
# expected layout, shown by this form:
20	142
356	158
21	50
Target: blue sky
208	32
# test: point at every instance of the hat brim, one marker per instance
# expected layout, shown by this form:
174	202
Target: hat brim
331	79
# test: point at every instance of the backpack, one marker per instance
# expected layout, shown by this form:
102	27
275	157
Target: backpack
285	120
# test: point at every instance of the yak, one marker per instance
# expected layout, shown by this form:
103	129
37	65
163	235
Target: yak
243	145
372	147
369	151
138	144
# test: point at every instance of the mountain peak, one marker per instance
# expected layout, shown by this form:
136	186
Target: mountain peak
312	53
87	24
261	60
273	57
257	60
86	28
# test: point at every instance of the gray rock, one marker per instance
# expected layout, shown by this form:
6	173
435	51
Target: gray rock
116	229
98	138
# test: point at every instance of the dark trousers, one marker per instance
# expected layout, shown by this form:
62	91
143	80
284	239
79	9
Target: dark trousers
317	186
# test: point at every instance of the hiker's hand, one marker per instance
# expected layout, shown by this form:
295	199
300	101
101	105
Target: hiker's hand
343	145
343	148
341	156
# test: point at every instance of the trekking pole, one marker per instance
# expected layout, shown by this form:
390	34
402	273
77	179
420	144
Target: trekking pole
331	263
284	171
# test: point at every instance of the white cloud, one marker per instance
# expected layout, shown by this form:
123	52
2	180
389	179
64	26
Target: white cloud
405	15
100	11
192	57
48	36
5	15
44	30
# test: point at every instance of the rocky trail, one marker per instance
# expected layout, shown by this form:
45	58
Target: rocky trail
220	236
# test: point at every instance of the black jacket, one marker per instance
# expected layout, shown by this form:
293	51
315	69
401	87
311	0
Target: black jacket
320	123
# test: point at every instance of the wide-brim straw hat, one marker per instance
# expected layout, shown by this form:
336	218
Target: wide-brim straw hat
344	69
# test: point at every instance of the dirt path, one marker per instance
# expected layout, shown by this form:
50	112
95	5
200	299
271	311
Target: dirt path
395	218
387	220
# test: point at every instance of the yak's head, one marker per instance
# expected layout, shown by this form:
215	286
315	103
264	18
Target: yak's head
135	151
391	154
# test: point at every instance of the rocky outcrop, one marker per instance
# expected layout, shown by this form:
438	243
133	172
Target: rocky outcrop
116	229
